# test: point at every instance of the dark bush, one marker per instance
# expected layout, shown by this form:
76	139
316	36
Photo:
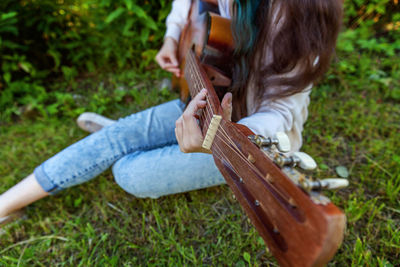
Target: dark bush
44	41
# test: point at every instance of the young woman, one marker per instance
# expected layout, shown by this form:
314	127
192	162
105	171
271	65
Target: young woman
281	48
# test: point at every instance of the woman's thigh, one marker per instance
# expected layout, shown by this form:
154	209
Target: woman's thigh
82	161
165	171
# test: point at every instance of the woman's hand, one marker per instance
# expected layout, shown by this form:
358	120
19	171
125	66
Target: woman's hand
188	132
187	129
167	56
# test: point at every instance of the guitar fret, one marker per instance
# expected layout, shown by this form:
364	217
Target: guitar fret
269	204
197	83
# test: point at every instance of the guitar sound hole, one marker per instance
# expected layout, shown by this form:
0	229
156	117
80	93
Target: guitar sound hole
212	78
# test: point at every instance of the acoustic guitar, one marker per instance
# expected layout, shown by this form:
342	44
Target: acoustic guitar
300	226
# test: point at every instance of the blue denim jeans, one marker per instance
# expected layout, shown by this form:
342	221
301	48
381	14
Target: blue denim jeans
143	152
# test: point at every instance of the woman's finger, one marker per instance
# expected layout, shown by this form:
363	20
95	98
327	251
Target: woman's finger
165	64
173	59
197	102
169	65
192	137
226	105
174	70
167	56
179	132
160	61
188	132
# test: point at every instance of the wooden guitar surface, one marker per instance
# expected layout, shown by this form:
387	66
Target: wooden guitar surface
211	37
298	231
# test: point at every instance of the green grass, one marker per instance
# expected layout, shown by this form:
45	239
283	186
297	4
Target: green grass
98	223
353	122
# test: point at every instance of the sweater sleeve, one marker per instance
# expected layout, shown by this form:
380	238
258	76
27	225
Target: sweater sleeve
177	18
284	115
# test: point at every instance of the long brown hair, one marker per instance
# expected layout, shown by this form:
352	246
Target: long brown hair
299	34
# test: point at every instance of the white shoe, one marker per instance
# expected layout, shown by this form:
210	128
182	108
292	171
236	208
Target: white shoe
93	122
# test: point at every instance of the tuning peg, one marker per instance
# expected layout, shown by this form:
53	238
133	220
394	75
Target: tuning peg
301	159
281	141
334	183
331	183
305	161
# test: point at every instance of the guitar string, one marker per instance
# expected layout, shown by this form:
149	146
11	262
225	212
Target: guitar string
221	154
196	71
239	153
236	150
207	113
193	72
219	151
204	116
219	128
222	132
199	84
254	168
199	81
225	134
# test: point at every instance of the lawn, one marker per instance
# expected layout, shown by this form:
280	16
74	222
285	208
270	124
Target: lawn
61	58
353	122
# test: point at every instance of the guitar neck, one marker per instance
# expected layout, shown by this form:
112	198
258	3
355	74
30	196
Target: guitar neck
297	231
197	80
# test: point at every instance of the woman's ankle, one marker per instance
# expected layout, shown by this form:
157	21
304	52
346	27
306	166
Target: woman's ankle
4	213
20	195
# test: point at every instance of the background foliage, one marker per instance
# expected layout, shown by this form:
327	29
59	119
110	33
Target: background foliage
60	58
44	42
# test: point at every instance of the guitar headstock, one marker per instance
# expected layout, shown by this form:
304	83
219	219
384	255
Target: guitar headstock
297	166
300	226
280	201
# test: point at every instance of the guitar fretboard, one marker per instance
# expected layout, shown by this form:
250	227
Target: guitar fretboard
197	80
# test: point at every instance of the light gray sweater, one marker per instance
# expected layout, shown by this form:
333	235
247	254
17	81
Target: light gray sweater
283	115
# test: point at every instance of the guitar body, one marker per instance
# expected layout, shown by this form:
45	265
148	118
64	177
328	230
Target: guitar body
298	230
211	36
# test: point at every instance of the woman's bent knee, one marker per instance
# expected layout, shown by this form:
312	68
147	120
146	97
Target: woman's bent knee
136	183
165	171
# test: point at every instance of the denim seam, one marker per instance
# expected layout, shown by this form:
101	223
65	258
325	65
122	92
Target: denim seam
147	148
143	148
86	170
55	186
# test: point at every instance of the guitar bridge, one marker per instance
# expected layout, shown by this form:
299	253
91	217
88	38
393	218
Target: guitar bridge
211	131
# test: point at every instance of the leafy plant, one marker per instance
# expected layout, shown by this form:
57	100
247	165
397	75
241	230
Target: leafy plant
47	42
